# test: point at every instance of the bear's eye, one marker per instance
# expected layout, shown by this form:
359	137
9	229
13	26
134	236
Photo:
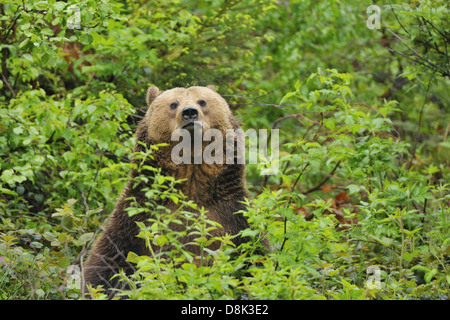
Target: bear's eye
201	103
173	105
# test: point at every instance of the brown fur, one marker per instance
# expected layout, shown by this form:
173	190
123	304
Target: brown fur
219	188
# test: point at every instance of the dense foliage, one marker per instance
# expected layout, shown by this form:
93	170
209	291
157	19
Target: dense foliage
359	208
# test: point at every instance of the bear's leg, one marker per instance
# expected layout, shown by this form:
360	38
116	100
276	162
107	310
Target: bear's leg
109	256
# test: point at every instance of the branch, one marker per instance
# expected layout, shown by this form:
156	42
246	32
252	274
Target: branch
396	18
294	115
287	205
435	67
8	85
11	26
324	180
298	178
443	35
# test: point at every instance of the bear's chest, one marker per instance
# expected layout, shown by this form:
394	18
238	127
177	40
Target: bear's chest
200	183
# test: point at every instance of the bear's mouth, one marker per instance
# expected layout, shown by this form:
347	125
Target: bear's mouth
193	125
190	125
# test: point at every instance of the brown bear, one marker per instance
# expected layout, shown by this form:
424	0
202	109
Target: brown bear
218	187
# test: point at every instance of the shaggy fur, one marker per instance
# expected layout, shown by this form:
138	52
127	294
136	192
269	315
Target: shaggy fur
219	188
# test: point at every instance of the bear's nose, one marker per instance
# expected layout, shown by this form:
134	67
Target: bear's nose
189	113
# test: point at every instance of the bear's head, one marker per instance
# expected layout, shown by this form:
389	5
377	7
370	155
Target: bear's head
190	108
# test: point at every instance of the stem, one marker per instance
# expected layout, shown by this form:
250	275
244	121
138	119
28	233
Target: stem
323	281
201	255
287	206
324	180
402	252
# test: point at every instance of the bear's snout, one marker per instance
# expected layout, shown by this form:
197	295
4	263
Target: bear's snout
191	118
190	113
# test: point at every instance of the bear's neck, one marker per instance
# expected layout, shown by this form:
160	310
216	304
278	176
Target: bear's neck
205	184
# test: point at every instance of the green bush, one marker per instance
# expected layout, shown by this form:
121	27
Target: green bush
358	208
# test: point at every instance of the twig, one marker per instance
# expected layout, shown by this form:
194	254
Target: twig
11	26
8	85
318	129
402	41
430	64
295	183
295	115
396	18
287	205
432	67
443	35
324	180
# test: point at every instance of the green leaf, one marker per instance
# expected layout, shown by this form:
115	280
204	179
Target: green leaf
353	188
7	191
174	198
18	130
132	257
47	32
7	176
286	97
420	268
189	267
160	240
83	239
384	240
329	123
430	275
161	179
347	284
24	43
91	108
49	236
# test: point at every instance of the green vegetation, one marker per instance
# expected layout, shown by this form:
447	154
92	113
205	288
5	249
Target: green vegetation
359	208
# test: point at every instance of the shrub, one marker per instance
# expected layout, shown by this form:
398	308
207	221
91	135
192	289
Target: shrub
358	208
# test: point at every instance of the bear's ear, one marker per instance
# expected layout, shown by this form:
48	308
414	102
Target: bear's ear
211	87
152	93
